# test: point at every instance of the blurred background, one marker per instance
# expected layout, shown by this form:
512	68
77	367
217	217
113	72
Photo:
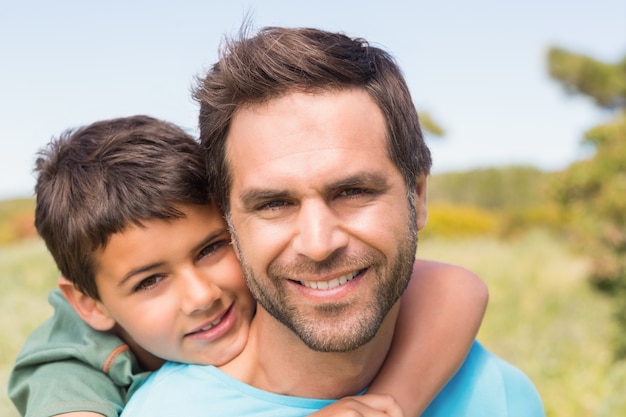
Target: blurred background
523	104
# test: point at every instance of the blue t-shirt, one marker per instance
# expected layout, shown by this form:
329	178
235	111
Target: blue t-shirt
485	386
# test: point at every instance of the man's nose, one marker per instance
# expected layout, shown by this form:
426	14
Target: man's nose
197	291
319	231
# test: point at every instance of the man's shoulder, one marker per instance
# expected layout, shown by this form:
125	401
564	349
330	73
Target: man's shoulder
191	390
174	389
516	387
486	385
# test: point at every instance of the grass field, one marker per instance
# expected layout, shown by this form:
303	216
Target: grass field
27	273
542	316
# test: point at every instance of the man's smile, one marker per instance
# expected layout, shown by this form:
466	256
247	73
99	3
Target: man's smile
330	284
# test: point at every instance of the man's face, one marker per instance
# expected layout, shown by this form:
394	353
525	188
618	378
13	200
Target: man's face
176	289
324	229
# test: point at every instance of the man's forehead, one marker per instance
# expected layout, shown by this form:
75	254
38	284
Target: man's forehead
312	121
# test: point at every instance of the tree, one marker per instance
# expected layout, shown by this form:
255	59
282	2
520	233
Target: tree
430	125
593	191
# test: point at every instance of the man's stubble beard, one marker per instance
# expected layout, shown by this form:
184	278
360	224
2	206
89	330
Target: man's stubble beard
360	323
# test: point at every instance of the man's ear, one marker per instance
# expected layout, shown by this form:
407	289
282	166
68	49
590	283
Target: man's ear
421	207
92	311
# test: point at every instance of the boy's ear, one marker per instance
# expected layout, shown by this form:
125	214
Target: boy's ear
421	191
92	311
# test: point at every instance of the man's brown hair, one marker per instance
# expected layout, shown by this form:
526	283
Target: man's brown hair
277	61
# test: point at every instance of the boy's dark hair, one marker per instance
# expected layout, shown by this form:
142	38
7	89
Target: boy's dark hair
97	180
277	61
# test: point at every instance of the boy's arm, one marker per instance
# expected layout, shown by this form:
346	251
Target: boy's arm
63	387
60	368
440	314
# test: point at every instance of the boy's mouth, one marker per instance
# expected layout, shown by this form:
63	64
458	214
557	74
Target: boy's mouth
212	324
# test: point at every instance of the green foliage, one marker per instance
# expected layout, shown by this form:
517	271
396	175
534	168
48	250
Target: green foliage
490	188
592	192
544	318
544	215
455	221
430	125
28	274
16	220
495	201
605	83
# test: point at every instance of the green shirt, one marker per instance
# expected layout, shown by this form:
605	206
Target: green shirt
67	366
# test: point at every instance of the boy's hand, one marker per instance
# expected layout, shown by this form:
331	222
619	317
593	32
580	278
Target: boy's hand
368	405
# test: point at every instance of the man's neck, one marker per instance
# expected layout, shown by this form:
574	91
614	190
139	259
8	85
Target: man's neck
276	360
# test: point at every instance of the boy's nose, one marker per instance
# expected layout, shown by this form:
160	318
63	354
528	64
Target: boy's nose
198	292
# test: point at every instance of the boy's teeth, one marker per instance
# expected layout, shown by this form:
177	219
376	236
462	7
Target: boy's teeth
213	324
328	285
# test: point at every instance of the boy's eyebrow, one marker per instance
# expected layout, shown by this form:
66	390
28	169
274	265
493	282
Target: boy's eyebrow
211	236
139	270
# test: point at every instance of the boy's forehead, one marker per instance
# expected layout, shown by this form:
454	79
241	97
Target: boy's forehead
154	240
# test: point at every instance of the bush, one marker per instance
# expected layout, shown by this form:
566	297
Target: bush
449	220
17	220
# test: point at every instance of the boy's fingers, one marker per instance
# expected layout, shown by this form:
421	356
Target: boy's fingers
381	402
369	405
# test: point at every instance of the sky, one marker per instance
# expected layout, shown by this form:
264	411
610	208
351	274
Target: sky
477	67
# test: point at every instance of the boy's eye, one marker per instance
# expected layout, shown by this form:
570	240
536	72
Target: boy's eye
149	282
213	247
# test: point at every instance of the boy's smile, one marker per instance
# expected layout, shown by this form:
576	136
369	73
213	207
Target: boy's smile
214	329
175	288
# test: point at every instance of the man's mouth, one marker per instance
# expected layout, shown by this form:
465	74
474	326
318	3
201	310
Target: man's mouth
333	283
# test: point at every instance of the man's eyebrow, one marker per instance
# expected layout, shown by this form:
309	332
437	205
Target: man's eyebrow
251	197
366	180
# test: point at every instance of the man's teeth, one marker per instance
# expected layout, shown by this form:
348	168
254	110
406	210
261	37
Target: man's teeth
329	285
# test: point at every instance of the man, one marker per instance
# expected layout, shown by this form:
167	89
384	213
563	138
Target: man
318	161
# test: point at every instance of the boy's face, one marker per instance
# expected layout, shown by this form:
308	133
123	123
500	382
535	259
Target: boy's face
176	288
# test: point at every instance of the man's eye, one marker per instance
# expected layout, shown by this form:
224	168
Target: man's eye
148	283
273	205
351	192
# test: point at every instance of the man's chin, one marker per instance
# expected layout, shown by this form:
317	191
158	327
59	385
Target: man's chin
335	333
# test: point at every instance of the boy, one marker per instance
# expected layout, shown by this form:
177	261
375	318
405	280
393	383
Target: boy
124	209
